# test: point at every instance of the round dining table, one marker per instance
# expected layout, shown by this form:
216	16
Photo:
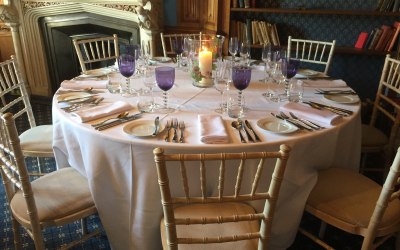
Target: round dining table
122	174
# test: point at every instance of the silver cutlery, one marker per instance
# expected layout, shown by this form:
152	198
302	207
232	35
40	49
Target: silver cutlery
291	121
79	99
243	127
168	127
175	127
76	106
118	122
182	128
156	126
308	122
119	116
300	123
236	125
335	92
252	130
335	110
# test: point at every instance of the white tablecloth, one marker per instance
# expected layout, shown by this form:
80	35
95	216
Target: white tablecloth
122	174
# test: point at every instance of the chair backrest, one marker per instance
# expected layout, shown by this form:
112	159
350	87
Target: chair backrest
221	163
389	193
167	41
95	50
387	100
13	94
316	52
15	174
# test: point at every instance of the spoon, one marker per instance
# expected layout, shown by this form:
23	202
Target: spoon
120	116
236	125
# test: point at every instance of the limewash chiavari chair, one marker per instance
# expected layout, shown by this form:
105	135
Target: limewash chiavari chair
167	41
224	220
37	140
311	51
95	50
386	108
355	204
58	198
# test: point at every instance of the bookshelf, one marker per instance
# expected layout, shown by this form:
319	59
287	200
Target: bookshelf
323	20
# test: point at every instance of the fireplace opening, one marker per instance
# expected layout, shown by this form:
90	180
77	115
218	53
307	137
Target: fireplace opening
59	31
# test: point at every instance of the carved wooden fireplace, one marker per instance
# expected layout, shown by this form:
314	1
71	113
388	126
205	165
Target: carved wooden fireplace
43	30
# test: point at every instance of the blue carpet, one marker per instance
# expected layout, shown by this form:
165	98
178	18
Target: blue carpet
55	236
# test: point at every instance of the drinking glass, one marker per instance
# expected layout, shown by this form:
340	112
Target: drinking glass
149	81
165	78
241	76
233	47
289	70
126	66
221	84
245	52
177	45
266	56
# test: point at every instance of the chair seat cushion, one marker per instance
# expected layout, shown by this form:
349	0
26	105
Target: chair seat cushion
372	137
37	141
57	195
214	230
344	197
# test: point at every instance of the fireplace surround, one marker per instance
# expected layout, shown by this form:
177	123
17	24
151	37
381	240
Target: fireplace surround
136	21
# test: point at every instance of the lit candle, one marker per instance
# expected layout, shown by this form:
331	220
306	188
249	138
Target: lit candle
205	62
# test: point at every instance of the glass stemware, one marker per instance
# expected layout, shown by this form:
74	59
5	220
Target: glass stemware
241	76
233	47
126	66
245	52
165	78
289	70
177	45
149	81
266	56
221	84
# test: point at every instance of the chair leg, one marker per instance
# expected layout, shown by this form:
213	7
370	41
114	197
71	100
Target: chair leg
84	226
17	236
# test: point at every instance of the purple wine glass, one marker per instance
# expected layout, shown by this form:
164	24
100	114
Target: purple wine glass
126	66
289	70
165	78
178	46
241	76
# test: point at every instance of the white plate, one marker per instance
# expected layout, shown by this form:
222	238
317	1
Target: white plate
276	126
161	59
345	99
141	128
308	72
96	72
73	95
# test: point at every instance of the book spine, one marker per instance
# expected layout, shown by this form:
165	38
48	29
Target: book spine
246	3
249	32
241	3
362	38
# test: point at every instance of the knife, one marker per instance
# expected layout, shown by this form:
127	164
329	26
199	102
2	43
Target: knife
156	126
78	99
118	122
296	124
332	107
252	130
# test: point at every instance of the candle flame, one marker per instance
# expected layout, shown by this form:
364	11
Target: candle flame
205	49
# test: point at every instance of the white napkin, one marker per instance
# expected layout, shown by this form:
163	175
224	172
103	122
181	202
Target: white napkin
81	84
324	83
212	129
101	111
306	112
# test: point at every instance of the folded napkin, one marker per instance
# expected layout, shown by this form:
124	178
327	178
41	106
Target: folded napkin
212	129
101	111
81	84
306	112
324	83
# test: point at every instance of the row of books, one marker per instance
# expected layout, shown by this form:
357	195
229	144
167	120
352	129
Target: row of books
243	3
381	38
388	5
255	32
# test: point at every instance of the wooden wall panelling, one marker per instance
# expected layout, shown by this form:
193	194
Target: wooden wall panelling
6	45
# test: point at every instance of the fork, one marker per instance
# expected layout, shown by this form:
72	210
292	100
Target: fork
175	127
168	127
182	128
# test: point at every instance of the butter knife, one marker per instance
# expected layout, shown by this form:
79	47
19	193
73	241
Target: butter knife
156	126
252	130
118	122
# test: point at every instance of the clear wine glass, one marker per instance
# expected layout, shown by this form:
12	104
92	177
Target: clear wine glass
165	78
241	76
177	45
245	52
233	47
126	66
149	81
266	56
221	84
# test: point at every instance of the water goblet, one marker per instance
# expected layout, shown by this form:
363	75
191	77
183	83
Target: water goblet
177	45
165	78
289	70
126	66
221	84
266	56
241	76
149	81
